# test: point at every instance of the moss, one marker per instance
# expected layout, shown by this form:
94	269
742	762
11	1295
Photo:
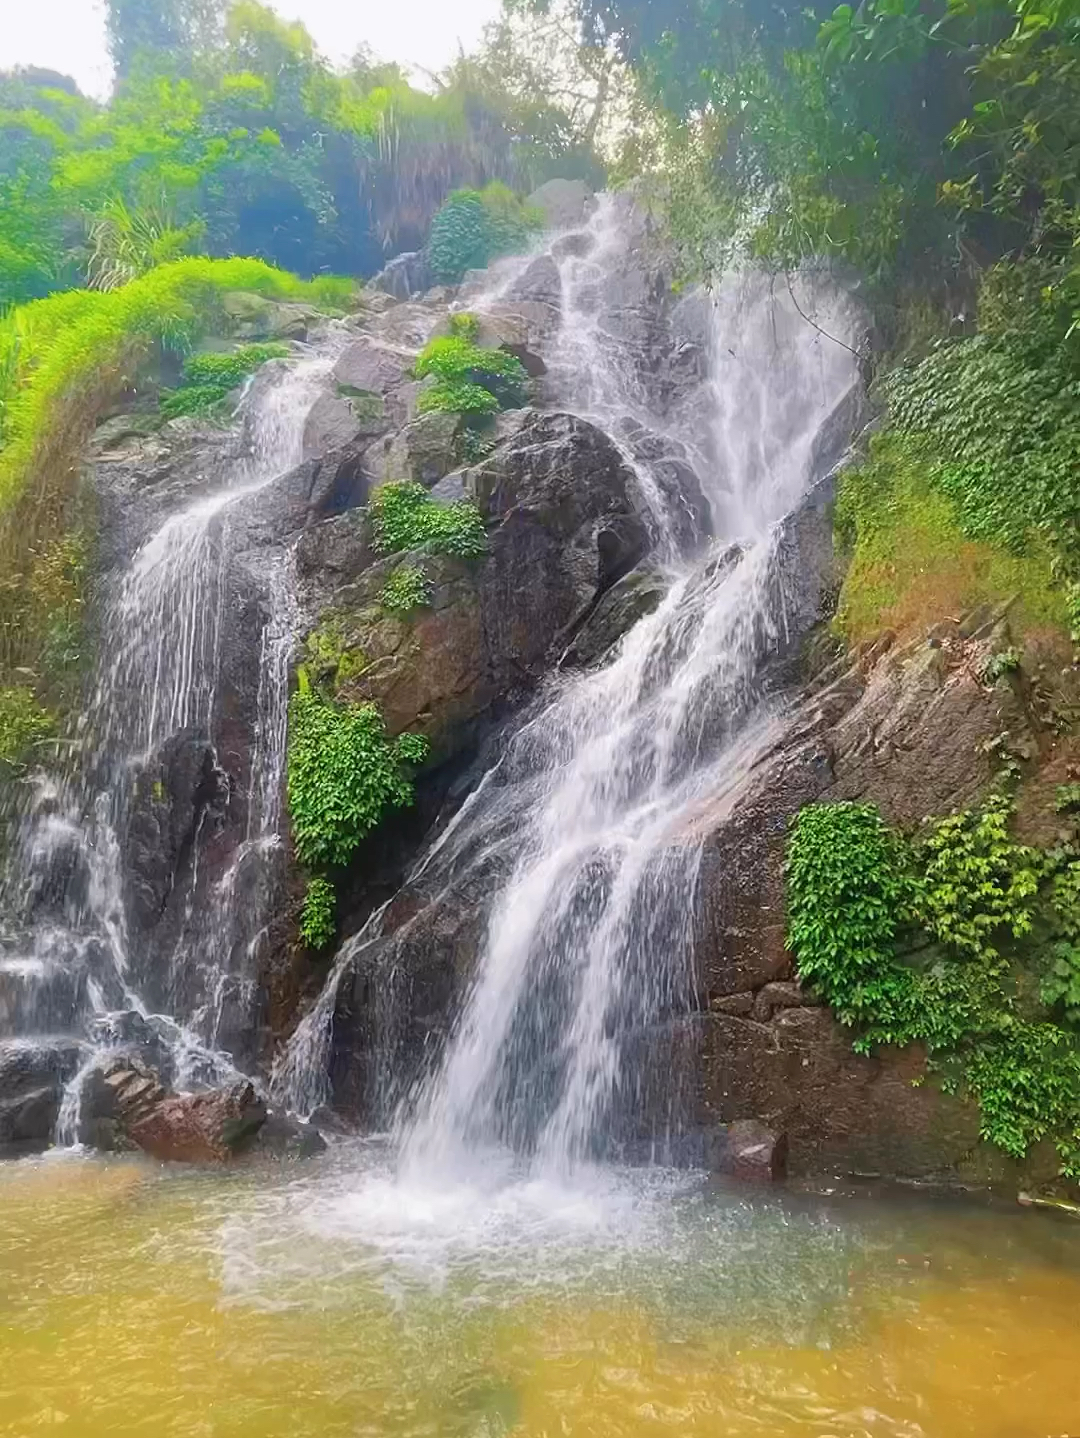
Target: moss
24	725
911	565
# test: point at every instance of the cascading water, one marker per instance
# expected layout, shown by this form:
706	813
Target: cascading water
79	981
584	839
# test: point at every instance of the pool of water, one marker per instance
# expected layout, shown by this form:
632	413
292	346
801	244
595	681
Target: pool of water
333	1299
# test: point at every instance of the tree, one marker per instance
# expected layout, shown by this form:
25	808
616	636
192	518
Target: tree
160	30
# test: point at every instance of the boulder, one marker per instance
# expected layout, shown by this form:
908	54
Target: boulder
424	451
33	1076
127	1100
563	203
253	317
371	367
753	1153
405	275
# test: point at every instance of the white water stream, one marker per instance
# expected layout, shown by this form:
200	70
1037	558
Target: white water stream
158	684
591	820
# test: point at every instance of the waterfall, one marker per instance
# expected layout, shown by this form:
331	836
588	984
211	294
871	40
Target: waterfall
81	977
583	841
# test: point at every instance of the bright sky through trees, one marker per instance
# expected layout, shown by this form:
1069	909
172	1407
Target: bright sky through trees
69	35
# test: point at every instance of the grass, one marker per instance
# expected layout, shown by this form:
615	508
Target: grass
911	565
63	361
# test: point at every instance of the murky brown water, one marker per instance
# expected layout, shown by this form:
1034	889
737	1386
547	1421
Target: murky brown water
328	1301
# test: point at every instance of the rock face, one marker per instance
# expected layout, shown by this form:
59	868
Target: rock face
565	520
563	203
902	726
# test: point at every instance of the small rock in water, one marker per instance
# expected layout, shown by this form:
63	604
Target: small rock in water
754	1153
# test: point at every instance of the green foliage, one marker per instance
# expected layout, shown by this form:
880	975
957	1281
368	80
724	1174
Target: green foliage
1067	799
404	516
1003	417
911	561
470	379
209	378
408	588
24	724
125	243
474	227
1002	664
318	917
1062	984
929	941
344	775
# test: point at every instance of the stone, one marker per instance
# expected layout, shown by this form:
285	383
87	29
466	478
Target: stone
370	366
405	275
253	317
284	1137
634	596
424	451
33	1075
563	203
174	792
126	1102
754	1153
331	424
778	996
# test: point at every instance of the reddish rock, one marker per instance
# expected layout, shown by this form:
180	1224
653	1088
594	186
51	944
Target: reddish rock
199	1127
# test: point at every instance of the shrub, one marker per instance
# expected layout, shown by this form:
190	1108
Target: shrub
23	725
318	922
209	378
404	516
978	910
470	379
408	588
344	775
473	227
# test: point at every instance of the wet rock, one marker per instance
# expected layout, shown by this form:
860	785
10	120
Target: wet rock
128	1100
33	1075
900	726
563	203
173	793
424	451
255	318
284	1137
753	1153
638	593
404	276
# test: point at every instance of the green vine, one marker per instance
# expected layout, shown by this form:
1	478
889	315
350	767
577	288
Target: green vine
404	516
961	940
318	921
345	775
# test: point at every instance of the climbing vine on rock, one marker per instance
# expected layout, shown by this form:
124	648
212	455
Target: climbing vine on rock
404	516
318	923
943	940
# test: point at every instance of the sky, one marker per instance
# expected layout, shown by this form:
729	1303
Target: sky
69	35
